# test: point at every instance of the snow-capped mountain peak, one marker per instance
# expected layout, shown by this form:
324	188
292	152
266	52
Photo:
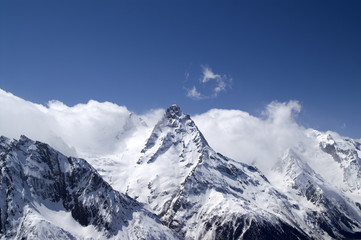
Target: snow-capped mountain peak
172	151
174	130
191	187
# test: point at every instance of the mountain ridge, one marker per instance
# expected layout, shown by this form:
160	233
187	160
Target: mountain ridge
197	192
38	181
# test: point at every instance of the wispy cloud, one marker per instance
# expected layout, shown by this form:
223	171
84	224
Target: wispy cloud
221	87
222	83
193	93
208	74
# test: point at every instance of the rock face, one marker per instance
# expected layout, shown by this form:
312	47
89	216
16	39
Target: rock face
45	195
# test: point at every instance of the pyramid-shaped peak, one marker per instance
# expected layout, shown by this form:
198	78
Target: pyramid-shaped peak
290	153
174	128
174	111
24	138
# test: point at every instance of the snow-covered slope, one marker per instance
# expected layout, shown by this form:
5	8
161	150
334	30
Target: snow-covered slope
326	210
171	153
204	195
45	195
346	153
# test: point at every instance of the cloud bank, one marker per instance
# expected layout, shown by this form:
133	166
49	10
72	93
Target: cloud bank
221	84
92	129
106	129
253	140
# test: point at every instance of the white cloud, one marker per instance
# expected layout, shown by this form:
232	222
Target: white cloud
193	93
253	140
222	83
208	74
111	137
107	130
282	113
95	128
221	87
100	129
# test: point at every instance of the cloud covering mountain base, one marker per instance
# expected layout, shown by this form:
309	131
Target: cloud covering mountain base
108	132
98	129
316	174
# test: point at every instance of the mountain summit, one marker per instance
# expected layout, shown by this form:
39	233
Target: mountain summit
174	111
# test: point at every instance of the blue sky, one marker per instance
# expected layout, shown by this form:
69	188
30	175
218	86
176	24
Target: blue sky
150	54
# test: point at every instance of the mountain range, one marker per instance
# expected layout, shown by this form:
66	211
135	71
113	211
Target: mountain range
178	187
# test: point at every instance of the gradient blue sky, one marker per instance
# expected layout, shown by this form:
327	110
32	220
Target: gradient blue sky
147	54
